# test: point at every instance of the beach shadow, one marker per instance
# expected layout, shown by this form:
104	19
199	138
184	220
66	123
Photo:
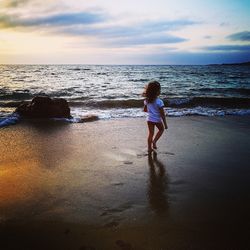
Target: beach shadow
47	141
157	186
46	126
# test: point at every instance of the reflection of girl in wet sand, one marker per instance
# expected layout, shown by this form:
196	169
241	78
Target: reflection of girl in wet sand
156	117
158	184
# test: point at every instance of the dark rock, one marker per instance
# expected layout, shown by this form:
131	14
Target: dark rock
89	118
44	107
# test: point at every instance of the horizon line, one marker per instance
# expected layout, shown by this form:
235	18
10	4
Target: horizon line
92	64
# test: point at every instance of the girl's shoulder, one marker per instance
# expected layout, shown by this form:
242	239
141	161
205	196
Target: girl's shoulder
159	102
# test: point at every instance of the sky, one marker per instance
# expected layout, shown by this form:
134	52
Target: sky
124	32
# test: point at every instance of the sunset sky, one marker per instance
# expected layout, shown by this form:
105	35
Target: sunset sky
124	32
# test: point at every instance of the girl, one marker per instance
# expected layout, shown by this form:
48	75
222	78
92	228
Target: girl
155	113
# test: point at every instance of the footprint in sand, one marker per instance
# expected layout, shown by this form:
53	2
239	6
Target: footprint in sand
112	224
123	245
115	210
127	162
167	153
142	155
118	184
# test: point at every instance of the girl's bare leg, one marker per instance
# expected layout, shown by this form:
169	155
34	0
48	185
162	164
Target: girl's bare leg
151	129
158	135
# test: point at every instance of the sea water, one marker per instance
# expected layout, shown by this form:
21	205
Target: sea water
116	91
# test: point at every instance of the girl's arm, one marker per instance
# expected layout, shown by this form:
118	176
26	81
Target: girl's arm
145	108
163	117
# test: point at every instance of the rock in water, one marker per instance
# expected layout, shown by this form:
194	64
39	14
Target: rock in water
44	107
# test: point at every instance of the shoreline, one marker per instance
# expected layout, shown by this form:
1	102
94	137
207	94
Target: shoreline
92	185
14	118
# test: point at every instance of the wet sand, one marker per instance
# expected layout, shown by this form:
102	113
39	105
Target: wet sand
92	186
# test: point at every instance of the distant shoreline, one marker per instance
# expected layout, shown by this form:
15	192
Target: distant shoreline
231	64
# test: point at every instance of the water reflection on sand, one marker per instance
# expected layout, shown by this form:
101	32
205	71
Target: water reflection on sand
157	186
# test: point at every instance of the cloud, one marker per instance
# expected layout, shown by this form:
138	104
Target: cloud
52	20
223	24
124	36
153	39
139	29
142	40
228	48
14	3
6	21
240	36
67	19
97	25
166	25
147	32
83	18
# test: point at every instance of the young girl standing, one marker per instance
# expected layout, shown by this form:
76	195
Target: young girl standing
156	117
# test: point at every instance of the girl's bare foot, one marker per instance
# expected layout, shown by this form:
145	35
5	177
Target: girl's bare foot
154	145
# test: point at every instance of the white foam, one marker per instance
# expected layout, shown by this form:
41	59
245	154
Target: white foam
106	114
71	120
179	101
205	111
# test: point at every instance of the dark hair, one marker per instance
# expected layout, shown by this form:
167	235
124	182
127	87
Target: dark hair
152	90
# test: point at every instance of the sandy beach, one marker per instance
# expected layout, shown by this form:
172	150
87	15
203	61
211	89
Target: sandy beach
92	185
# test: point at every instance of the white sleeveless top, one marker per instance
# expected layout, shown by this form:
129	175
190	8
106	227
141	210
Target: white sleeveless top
153	110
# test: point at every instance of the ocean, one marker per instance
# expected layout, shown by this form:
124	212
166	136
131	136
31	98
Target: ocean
115	91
